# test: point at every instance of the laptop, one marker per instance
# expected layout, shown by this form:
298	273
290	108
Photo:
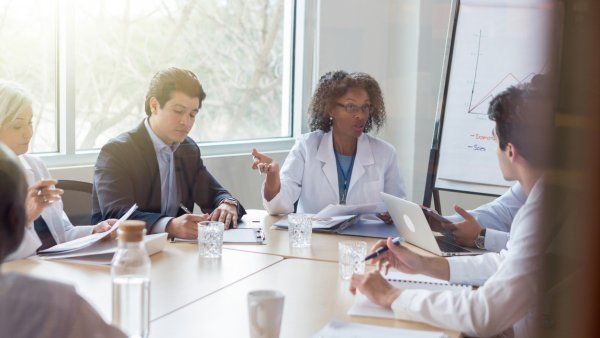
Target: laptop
411	223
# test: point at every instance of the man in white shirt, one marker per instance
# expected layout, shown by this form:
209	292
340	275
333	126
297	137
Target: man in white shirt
506	303
488	226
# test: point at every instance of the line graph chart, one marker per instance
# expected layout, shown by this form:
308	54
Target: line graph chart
478	105
495	47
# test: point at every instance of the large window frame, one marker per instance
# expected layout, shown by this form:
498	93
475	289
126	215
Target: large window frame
300	31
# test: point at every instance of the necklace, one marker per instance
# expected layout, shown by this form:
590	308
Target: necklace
345	175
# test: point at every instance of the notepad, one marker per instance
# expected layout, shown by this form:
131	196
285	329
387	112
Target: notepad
235	236
246	235
339	329
364	307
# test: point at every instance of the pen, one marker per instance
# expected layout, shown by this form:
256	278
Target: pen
186	210
381	250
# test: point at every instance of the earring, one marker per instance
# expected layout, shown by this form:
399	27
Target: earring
330	118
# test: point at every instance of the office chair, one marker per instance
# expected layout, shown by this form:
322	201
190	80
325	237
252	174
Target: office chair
77	201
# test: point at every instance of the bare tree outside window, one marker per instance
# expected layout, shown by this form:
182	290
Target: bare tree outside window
28	57
235	47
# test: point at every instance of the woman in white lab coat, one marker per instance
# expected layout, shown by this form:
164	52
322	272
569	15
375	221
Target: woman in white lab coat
337	162
47	223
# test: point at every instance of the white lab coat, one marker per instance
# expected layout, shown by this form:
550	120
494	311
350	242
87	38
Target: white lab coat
60	227
309	174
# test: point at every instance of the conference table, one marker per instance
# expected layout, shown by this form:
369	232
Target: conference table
193	296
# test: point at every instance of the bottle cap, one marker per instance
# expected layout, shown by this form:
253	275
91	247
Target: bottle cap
132	231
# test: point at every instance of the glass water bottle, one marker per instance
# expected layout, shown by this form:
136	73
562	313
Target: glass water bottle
130	270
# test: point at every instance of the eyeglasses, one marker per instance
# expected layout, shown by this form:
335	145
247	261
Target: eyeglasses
354	109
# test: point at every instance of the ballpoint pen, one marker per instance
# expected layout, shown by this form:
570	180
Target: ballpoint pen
186	210
382	250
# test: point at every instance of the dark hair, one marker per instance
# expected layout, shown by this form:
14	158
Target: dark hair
13	189
332	86
173	79
524	116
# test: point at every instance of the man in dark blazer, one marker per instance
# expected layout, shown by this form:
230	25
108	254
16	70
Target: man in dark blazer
159	167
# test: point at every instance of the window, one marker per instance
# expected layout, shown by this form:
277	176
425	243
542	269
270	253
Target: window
28	57
105	53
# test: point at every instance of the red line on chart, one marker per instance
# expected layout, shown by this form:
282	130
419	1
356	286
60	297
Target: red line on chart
491	91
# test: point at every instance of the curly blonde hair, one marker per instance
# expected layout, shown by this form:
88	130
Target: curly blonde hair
333	85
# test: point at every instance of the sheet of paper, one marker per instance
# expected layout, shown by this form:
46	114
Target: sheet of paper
102	252
86	241
339	329
363	307
342	209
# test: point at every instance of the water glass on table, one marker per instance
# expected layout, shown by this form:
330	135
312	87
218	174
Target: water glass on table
300	230
352	258
210	239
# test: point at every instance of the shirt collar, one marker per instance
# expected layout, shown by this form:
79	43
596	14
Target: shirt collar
159	145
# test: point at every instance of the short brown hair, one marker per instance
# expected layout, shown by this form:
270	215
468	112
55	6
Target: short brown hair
173	79
13	189
524	116
333	85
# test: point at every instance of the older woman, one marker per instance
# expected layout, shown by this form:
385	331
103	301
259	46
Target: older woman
32	307
47	223
337	162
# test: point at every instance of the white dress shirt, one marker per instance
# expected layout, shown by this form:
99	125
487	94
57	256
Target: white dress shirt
497	217
309	174
506	301
58	222
165	156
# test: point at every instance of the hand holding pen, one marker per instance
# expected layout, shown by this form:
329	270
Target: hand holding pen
391	254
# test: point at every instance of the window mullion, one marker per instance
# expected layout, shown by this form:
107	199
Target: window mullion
66	70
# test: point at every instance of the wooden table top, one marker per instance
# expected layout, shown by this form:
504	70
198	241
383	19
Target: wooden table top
324	246
314	295
179	276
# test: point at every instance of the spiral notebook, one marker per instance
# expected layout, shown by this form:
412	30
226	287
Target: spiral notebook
365	308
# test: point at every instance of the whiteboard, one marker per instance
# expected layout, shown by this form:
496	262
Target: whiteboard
496	44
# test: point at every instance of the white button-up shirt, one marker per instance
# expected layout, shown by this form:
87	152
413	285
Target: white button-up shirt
165	155
497	216
507	299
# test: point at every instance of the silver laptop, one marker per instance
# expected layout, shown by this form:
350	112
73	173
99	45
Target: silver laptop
411	223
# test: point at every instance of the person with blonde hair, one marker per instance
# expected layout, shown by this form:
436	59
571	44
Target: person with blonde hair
47	224
33	307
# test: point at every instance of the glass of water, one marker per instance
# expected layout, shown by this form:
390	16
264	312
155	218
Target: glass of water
210	238
300	230
352	258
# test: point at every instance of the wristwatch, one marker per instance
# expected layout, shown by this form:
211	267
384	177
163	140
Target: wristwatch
480	240
230	201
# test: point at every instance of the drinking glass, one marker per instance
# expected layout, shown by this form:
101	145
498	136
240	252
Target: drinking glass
210	238
352	258
300	230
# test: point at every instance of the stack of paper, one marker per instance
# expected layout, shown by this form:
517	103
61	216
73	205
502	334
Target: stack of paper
98	248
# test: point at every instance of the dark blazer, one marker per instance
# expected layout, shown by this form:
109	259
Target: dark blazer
127	172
